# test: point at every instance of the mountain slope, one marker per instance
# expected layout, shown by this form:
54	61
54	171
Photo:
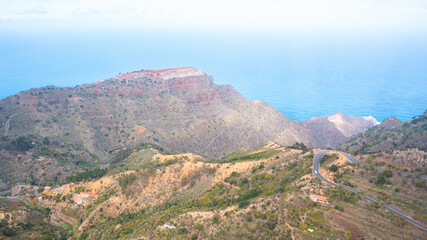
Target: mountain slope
392	134
181	110
337	128
263	193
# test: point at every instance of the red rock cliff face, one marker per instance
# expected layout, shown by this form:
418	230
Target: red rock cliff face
189	83
163	74
204	99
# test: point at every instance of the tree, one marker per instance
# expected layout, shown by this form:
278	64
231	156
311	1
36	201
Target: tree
21	144
387	173
347	234
9	232
333	168
380	180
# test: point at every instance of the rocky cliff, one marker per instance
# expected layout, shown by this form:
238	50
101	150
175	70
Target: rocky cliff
181	110
335	129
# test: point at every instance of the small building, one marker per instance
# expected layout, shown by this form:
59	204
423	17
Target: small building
28	187
94	196
424	177
318	198
36	188
77	199
158	171
310	230
84	195
6	216
169	225
46	189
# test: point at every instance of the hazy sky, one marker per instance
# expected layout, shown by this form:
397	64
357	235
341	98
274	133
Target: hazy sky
248	15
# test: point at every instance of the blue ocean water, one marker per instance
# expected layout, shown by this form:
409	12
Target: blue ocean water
301	75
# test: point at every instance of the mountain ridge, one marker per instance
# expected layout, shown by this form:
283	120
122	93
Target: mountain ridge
181	110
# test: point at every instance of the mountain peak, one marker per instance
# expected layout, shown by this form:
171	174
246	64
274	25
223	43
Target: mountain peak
391	122
163	74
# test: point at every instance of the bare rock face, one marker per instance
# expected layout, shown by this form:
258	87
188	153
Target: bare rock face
349	125
335	129
164	74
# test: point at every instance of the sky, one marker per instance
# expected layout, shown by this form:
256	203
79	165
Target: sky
222	15
242	43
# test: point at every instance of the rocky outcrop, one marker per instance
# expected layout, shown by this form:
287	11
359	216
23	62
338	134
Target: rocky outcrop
335	129
163	74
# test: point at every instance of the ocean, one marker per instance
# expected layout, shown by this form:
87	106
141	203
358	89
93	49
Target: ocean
302	76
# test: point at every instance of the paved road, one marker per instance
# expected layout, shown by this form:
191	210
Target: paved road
6	129
5	191
64	218
352	159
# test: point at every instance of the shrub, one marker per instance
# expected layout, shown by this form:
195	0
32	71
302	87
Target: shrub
182	231
21	144
300	146
89	175
387	173
271	224
199	227
244	204
126	180
121	155
339	208
333	168
9	232
380	180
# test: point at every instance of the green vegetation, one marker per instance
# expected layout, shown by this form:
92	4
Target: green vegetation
126	152
382	177
342	194
300	146
105	196
333	168
127	179
121	155
87	176
246	156
21	143
328	158
45	151
403	135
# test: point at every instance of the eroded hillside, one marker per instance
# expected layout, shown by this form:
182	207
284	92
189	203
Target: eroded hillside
262	193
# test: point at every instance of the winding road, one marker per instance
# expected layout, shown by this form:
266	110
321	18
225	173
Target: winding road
6	129
352	159
4	191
